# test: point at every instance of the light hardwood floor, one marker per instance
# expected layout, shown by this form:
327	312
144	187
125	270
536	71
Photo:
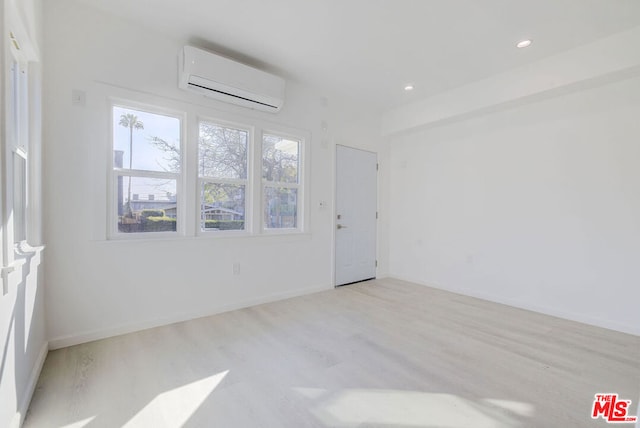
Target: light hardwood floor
383	353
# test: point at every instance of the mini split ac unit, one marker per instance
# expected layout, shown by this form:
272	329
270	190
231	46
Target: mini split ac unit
226	80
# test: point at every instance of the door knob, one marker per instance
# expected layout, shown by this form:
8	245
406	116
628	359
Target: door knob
339	226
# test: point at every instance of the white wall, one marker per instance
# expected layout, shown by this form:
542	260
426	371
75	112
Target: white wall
22	316
98	287
536	206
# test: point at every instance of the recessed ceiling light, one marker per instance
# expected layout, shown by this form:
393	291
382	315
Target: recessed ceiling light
524	43
408	88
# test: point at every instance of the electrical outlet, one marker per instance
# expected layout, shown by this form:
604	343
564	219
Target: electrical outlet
78	98
236	268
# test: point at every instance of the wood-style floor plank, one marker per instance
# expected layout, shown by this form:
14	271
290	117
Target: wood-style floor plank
383	353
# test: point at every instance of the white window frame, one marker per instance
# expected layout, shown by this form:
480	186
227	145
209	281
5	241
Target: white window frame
299	186
247	182
20	127
114	173
189	182
14	145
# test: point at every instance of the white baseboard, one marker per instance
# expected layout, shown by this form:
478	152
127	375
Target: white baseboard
572	316
89	336
25	400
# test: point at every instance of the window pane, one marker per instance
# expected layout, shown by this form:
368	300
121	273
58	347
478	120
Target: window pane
222	206
280	208
145	141
222	152
13	122
19	198
280	159
146	204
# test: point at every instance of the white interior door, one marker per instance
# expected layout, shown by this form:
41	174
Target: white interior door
356	205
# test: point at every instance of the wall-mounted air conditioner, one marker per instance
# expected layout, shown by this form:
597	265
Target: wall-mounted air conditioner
226	80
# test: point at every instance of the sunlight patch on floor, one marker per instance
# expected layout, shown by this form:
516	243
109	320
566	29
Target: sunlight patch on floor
517	407
175	407
354	407
79	424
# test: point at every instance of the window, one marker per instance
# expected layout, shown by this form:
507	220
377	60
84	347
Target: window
223	176
281	181
17	126
147	167
176	170
19	196
20	147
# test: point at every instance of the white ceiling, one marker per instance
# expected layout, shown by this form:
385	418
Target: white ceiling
369	49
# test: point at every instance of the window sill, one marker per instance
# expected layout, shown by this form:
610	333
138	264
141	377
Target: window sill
212	236
142	236
22	254
24	250
275	235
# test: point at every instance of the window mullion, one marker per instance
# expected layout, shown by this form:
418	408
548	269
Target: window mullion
257	190
281	184
232	181
146	174
191	186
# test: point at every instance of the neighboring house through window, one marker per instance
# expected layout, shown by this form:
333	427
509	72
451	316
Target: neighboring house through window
223	170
